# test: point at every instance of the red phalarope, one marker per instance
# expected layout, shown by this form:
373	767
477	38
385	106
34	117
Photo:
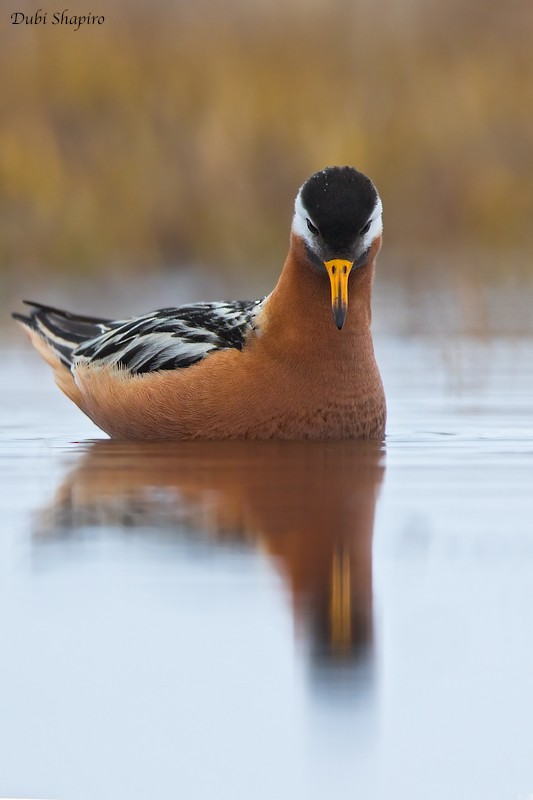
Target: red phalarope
280	367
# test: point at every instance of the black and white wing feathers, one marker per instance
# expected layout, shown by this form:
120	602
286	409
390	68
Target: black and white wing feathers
172	338
63	331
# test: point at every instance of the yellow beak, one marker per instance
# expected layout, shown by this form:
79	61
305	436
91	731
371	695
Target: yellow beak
339	271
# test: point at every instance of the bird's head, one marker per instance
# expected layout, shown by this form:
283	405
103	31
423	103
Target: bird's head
337	214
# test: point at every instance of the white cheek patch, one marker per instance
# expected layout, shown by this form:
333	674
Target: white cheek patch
299	223
376	226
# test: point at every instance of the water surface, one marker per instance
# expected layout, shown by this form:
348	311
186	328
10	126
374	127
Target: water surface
274	620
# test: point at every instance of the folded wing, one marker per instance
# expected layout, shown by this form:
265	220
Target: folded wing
171	338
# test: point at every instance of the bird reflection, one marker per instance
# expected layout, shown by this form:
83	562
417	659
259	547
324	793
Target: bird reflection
310	506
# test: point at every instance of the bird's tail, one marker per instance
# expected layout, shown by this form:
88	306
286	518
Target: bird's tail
55	335
60	331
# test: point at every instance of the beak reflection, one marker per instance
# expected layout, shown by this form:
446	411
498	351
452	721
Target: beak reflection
308	507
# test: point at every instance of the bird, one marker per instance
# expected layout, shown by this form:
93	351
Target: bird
297	364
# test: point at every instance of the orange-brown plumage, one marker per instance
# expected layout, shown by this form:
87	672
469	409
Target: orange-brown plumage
296	377
310	509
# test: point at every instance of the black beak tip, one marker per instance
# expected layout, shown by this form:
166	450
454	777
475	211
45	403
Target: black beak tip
339	314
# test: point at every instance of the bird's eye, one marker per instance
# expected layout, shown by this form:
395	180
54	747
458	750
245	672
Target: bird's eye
312	228
366	228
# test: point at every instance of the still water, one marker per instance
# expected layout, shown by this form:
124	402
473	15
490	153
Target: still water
274	620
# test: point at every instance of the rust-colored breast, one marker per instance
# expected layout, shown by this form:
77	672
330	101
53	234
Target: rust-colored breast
297	378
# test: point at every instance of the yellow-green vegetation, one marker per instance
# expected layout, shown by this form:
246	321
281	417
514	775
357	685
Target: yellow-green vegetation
181	132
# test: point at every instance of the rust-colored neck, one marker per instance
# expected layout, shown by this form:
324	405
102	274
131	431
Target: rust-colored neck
299	309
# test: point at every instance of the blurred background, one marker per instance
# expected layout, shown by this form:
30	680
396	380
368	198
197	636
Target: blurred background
162	150
227	620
